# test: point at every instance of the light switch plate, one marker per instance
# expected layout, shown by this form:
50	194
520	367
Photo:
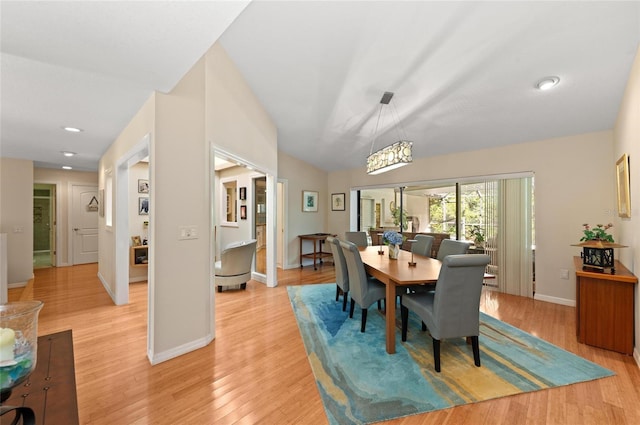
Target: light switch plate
187	232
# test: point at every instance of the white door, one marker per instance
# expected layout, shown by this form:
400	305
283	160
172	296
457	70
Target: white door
84	222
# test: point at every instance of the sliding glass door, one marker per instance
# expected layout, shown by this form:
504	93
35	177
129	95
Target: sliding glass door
495	215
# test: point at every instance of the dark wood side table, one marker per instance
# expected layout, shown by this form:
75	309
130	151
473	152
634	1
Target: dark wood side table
605	307
318	240
50	390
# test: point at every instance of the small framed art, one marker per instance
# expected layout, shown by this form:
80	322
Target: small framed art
309	201
243	212
337	202
136	241
143	206
143	186
622	179
243	193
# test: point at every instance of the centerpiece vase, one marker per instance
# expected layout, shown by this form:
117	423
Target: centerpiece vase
394	250
18	350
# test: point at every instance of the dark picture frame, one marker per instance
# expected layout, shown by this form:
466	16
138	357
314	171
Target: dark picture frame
337	202
143	206
243	193
243	212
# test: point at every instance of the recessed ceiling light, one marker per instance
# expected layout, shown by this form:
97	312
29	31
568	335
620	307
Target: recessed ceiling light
66	167
547	82
67	153
72	129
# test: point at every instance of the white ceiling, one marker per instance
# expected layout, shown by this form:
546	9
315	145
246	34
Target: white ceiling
463	73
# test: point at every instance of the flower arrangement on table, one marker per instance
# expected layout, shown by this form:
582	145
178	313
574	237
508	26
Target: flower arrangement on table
392	238
597	247
598	233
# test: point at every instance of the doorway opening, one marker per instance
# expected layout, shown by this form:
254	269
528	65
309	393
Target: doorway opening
260	211
44	225
247	195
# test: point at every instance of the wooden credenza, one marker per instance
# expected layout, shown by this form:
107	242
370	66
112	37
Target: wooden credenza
605	307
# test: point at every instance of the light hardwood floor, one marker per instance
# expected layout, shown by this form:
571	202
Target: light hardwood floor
256	370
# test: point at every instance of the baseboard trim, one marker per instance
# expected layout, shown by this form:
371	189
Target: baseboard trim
259	277
636	356
178	351
138	279
17	285
106	288
555	300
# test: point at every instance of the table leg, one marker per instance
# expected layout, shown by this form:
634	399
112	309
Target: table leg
391	317
314	255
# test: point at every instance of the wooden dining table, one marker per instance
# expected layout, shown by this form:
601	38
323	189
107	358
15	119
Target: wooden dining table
395	273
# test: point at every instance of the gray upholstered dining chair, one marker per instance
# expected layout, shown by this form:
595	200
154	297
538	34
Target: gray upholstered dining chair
234	267
358	238
363	289
453	309
422	245
452	247
342	275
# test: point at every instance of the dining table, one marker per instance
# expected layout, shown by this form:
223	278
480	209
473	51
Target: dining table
397	272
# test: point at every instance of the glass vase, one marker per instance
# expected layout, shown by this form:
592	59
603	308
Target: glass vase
18	343
394	250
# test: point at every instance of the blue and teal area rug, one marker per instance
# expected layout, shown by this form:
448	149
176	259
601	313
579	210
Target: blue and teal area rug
360	383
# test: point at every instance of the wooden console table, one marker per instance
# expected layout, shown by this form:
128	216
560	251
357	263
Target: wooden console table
317	239
50	390
605	307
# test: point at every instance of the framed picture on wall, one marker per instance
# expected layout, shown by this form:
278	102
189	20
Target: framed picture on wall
243	212
143	206
622	179
136	241
243	193
143	186
309	201
337	202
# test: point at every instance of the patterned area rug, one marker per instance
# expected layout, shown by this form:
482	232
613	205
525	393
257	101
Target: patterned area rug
360	383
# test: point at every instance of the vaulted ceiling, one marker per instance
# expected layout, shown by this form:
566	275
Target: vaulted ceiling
463	73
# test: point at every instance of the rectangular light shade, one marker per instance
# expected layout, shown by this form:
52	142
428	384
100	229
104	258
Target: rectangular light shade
390	158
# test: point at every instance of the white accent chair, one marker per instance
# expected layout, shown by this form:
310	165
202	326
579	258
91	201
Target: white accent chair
234	267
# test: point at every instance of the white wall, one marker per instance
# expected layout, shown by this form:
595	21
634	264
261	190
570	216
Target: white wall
303	176
142	123
64	180
626	139
16	218
237	124
574	184
211	104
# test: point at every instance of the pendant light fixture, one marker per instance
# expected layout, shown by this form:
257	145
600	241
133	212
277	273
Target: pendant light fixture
393	156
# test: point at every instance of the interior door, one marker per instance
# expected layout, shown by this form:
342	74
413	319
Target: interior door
84	222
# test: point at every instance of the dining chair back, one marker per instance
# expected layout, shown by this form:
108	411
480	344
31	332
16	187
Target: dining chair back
342	275
453	309
363	289
422	245
358	238
452	247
